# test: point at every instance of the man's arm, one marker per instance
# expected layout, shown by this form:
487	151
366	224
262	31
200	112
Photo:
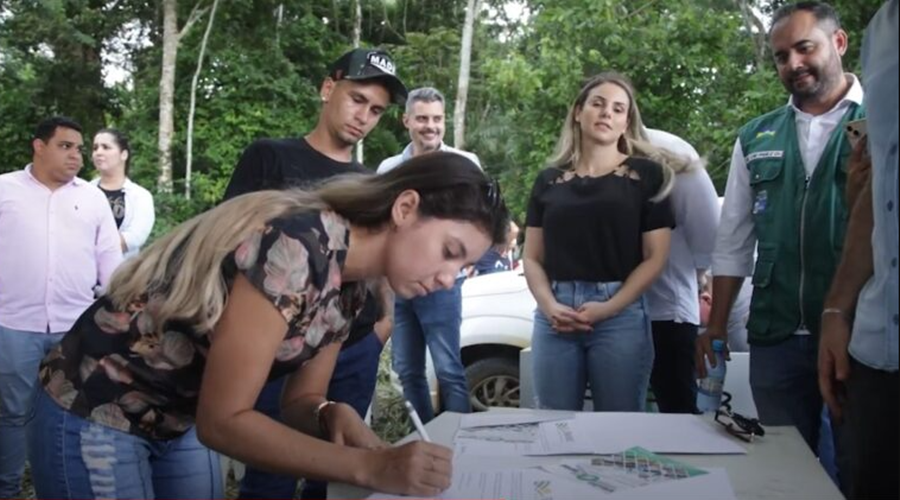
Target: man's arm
732	258
856	267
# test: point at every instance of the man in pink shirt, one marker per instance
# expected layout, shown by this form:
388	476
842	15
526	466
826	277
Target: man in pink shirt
58	241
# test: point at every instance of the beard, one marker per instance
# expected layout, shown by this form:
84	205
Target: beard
822	81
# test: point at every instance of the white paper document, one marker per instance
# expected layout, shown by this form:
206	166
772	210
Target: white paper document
603	433
510	484
714	485
549	438
633	468
517	433
495	418
537	484
658	432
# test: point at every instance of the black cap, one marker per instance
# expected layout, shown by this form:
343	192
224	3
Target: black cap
370	64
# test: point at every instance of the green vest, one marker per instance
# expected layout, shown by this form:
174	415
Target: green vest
799	223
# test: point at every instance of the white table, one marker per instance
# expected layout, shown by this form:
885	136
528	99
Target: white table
780	465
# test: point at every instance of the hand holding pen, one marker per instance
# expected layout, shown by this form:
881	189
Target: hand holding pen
417	422
419	468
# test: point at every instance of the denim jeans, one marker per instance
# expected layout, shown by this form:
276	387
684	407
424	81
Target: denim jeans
433	321
20	357
75	458
784	381
616	357
353	382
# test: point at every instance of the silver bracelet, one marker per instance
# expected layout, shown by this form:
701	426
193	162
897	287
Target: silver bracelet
839	312
319	414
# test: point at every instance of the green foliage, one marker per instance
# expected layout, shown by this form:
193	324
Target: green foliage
171	210
390	421
692	63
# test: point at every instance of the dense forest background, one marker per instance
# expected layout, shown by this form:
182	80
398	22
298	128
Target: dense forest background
701	68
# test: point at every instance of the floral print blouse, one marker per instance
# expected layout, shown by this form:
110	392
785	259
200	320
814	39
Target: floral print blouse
115	369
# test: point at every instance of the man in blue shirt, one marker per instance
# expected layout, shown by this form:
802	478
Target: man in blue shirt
858	367
432	320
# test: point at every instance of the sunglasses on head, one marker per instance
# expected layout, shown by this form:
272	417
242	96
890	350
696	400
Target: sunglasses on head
492	193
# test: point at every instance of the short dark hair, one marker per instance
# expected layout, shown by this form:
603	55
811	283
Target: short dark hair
824	13
45	130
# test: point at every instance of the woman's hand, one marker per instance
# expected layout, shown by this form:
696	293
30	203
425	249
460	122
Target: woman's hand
565	319
344	427
419	469
595	312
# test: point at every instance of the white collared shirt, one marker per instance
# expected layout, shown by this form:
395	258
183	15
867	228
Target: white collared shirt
736	238
392	162
55	247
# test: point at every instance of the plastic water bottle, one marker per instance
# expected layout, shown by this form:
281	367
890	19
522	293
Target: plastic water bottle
709	390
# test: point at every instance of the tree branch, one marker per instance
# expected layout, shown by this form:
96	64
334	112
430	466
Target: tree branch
640	9
195	15
751	22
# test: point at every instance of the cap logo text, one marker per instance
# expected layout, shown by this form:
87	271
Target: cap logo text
381	62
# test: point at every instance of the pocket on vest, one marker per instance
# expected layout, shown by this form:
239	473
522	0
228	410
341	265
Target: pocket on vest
762	302
765	183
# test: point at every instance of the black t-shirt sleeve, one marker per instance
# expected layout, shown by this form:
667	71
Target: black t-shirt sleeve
256	170
534	216
657	215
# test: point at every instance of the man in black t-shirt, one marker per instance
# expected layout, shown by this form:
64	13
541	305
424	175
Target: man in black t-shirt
360	86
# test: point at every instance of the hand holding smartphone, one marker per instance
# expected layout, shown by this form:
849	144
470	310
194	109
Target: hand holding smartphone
855	131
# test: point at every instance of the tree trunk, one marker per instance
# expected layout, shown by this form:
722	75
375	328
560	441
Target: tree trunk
166	94
279	17
757	31
462	89
336	15
190	129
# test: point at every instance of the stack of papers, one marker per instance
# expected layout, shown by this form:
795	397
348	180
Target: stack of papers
623	463
635	473
590	434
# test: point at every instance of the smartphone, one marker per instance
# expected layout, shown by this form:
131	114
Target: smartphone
855	130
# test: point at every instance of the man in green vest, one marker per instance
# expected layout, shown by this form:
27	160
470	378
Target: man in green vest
785	196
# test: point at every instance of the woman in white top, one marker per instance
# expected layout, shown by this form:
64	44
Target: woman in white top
132	205
673	297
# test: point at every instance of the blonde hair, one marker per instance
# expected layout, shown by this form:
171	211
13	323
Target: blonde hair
183	265
180	275
633	142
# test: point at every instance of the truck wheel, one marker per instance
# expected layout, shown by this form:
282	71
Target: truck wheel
493	382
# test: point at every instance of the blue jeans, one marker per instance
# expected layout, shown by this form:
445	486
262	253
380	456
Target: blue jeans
20	357
784	381
433	321
75	458
353	382
616	357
